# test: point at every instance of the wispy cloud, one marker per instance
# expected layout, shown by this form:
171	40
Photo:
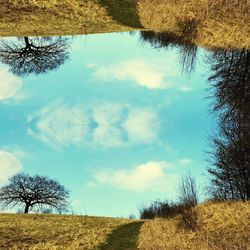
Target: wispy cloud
152	74
185	88
141	125
9	165
9	85
107	124
161	176
140	178
185	161
60	124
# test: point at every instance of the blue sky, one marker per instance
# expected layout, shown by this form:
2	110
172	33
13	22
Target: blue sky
117	124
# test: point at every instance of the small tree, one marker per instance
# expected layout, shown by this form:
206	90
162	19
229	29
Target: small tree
32	191
34	55
188	199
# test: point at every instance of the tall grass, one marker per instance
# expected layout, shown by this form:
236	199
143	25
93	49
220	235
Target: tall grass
221	226
216	23
43	231
210	23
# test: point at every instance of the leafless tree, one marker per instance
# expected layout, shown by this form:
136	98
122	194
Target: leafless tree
188	199
33	55
230	147
165	40
188	193
34	191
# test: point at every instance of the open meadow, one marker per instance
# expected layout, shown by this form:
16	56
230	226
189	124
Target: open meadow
220	226
213	24
36	231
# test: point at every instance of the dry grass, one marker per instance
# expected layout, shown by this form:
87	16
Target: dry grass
222	226
214	23
18	231
59	17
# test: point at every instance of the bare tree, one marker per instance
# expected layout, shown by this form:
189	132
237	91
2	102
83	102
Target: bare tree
188	199
188	193
230	146
187	50
33	55
32	191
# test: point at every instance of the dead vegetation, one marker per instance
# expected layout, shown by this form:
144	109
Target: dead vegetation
215	23
220	226
19	231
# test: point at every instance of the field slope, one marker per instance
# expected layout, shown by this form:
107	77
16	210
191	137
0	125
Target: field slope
211	23
18	231
221	226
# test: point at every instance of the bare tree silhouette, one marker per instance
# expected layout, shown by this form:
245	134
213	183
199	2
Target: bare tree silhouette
165	40
33	55
230	154
34	191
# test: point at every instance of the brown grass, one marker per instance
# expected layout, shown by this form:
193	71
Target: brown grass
18	231
214	23
57	17
221	226
210	23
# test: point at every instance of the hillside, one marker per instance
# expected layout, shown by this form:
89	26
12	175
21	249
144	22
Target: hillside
206	23
18	231
221	226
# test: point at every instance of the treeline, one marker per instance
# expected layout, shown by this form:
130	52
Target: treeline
230	145
184	207
229	92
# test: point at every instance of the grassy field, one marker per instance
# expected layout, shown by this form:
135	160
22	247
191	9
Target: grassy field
67	232
222	226
210	23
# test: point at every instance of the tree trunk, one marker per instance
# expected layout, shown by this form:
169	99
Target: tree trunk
27	206
27	42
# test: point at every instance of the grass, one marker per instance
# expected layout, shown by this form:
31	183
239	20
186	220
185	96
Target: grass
55	17
221	226
210	23
18	231
123	238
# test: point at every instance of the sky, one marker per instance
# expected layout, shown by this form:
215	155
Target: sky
117	124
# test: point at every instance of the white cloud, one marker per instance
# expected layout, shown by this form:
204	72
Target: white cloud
160	176
9	85
107	124
141	125
185	161
150	74
140	178
185	88
61	124
108	117
9	165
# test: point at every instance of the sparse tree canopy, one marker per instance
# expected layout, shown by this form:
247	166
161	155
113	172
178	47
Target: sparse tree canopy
187	50
34	191
33	55
230	146
188	194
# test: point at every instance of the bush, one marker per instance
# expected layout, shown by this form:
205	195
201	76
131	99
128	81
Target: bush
185	208
188	199
158	209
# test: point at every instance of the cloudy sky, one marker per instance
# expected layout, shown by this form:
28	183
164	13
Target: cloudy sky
117	124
